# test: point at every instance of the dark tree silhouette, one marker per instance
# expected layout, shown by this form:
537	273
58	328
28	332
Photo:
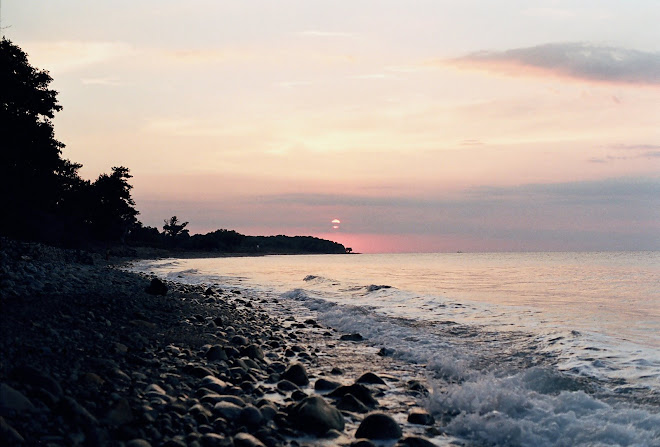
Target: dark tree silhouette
32	166
113	212
173	228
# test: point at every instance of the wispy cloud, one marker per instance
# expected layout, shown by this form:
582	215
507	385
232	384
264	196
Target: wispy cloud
105	81
573	59
629	152
65	56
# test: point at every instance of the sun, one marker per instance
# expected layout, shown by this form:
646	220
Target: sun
335	224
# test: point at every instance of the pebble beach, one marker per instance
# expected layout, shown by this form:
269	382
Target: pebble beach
92	355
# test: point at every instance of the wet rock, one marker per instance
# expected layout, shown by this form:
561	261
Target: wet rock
326	385
296	373
362	443
239	340
254	352
336	371
352	337
358	390
415	441
378	426
421	417
386	352
370	378
156	287
314	415
286	385
348	402
247	440
12	400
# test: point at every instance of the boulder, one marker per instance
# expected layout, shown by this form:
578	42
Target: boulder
370	378
421	417
326	385
247	440
379	426
296	373
360	391
314	415
156	287
348	402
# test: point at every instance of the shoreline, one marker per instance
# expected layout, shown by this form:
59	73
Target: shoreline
89	358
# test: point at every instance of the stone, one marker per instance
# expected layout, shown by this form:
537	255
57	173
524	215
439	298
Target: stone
156	287
370	378
247	440
214	384
352	337
421	417
386	352
250	416
37	378
314	415
216	353
415	441
348	402
9	435
296	373
326	385
286	385
362	443
358	390
214	440
13	400
378	426
239	340
254	352
227	410
77	412
119	414
138	442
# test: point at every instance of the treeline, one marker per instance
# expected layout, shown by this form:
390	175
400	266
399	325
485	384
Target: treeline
230	241
43	198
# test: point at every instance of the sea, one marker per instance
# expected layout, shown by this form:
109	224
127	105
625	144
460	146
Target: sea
530	349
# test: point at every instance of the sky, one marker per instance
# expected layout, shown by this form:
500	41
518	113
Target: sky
421	126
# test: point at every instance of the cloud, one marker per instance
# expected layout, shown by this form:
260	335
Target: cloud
573	59
65	56
105	81
631	151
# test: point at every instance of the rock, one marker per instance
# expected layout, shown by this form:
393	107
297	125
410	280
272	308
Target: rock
8	435
250	416
214	440
215	353
214	384
415	441
286	385
119	414
358	390
378	426
156	390
386	352
421	417
326	385
296	373
239	340
138	442
227	410
336	371
73	410
348	402
247	440
362	443
156	287
13	400
254	352
314	415
352	337
36	378
370	378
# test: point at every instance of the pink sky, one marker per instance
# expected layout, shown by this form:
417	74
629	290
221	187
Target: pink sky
424	126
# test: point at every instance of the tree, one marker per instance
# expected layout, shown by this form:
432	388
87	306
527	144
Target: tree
112	208
32	165
175	229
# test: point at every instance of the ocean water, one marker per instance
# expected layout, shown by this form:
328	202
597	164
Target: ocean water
542	349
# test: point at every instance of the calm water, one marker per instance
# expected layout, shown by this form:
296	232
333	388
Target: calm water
524	348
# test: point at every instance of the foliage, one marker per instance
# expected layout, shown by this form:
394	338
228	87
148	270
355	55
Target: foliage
41	193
